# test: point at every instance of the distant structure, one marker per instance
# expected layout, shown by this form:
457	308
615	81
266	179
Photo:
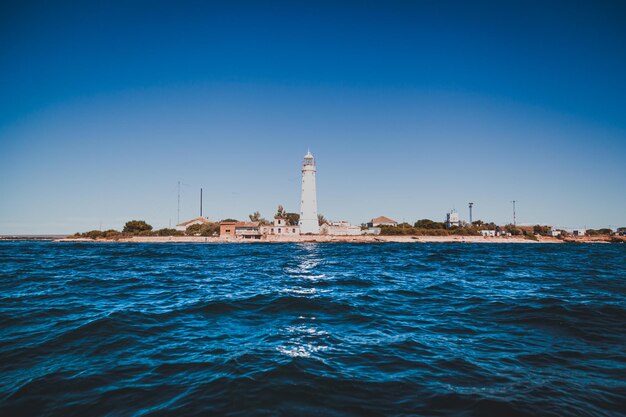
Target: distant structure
309	223
241	230
452	219
514	218
553	232
281	226
470	209
341	228
382	221
197	220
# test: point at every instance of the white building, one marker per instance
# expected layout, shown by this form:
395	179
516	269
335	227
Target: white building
579	232
308	202
554	232
452	219
488	233
280	228
342	228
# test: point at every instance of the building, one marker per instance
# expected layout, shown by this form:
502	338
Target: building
554	232
382	221
342	228
579	232
488	233
227	228
452	219
308	201
247	230
197	220
242	230
279	228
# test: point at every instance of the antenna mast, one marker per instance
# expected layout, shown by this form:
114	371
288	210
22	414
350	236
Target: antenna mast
470	209
200	202
178	215
514	220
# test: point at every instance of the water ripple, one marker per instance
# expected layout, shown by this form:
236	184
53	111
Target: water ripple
312	329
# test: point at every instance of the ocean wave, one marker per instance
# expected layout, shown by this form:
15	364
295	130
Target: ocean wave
312	329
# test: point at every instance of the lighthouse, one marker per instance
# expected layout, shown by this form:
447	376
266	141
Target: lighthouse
308	202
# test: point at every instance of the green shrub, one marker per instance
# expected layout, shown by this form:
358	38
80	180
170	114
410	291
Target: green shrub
137	226
168	232
429	224
93	234
465	231
193	230
210	229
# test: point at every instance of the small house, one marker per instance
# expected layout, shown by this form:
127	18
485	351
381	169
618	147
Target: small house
197	220
382	221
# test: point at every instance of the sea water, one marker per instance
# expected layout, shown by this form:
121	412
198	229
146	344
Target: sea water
312	329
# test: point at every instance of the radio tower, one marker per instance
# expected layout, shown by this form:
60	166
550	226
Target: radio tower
514	222
470	208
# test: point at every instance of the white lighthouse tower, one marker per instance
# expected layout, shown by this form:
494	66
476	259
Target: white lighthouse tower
308	202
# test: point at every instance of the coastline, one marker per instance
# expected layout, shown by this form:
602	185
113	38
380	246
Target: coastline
351	239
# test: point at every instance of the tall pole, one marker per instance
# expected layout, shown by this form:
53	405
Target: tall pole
200	202
514	220
470	208
178	215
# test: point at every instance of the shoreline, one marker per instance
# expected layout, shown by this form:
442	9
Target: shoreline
351	239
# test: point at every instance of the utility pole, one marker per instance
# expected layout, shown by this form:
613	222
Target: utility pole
470	208
514	220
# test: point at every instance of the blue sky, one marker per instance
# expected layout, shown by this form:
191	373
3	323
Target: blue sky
411	108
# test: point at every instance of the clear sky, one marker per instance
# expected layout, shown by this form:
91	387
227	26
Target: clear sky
411	109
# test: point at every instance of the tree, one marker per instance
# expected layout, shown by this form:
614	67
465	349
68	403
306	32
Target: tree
429	224
512	230
292	219
256	217
280	212
136	226
321	219
210	229
193	230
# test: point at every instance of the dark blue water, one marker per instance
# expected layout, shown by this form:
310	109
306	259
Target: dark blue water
312	329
